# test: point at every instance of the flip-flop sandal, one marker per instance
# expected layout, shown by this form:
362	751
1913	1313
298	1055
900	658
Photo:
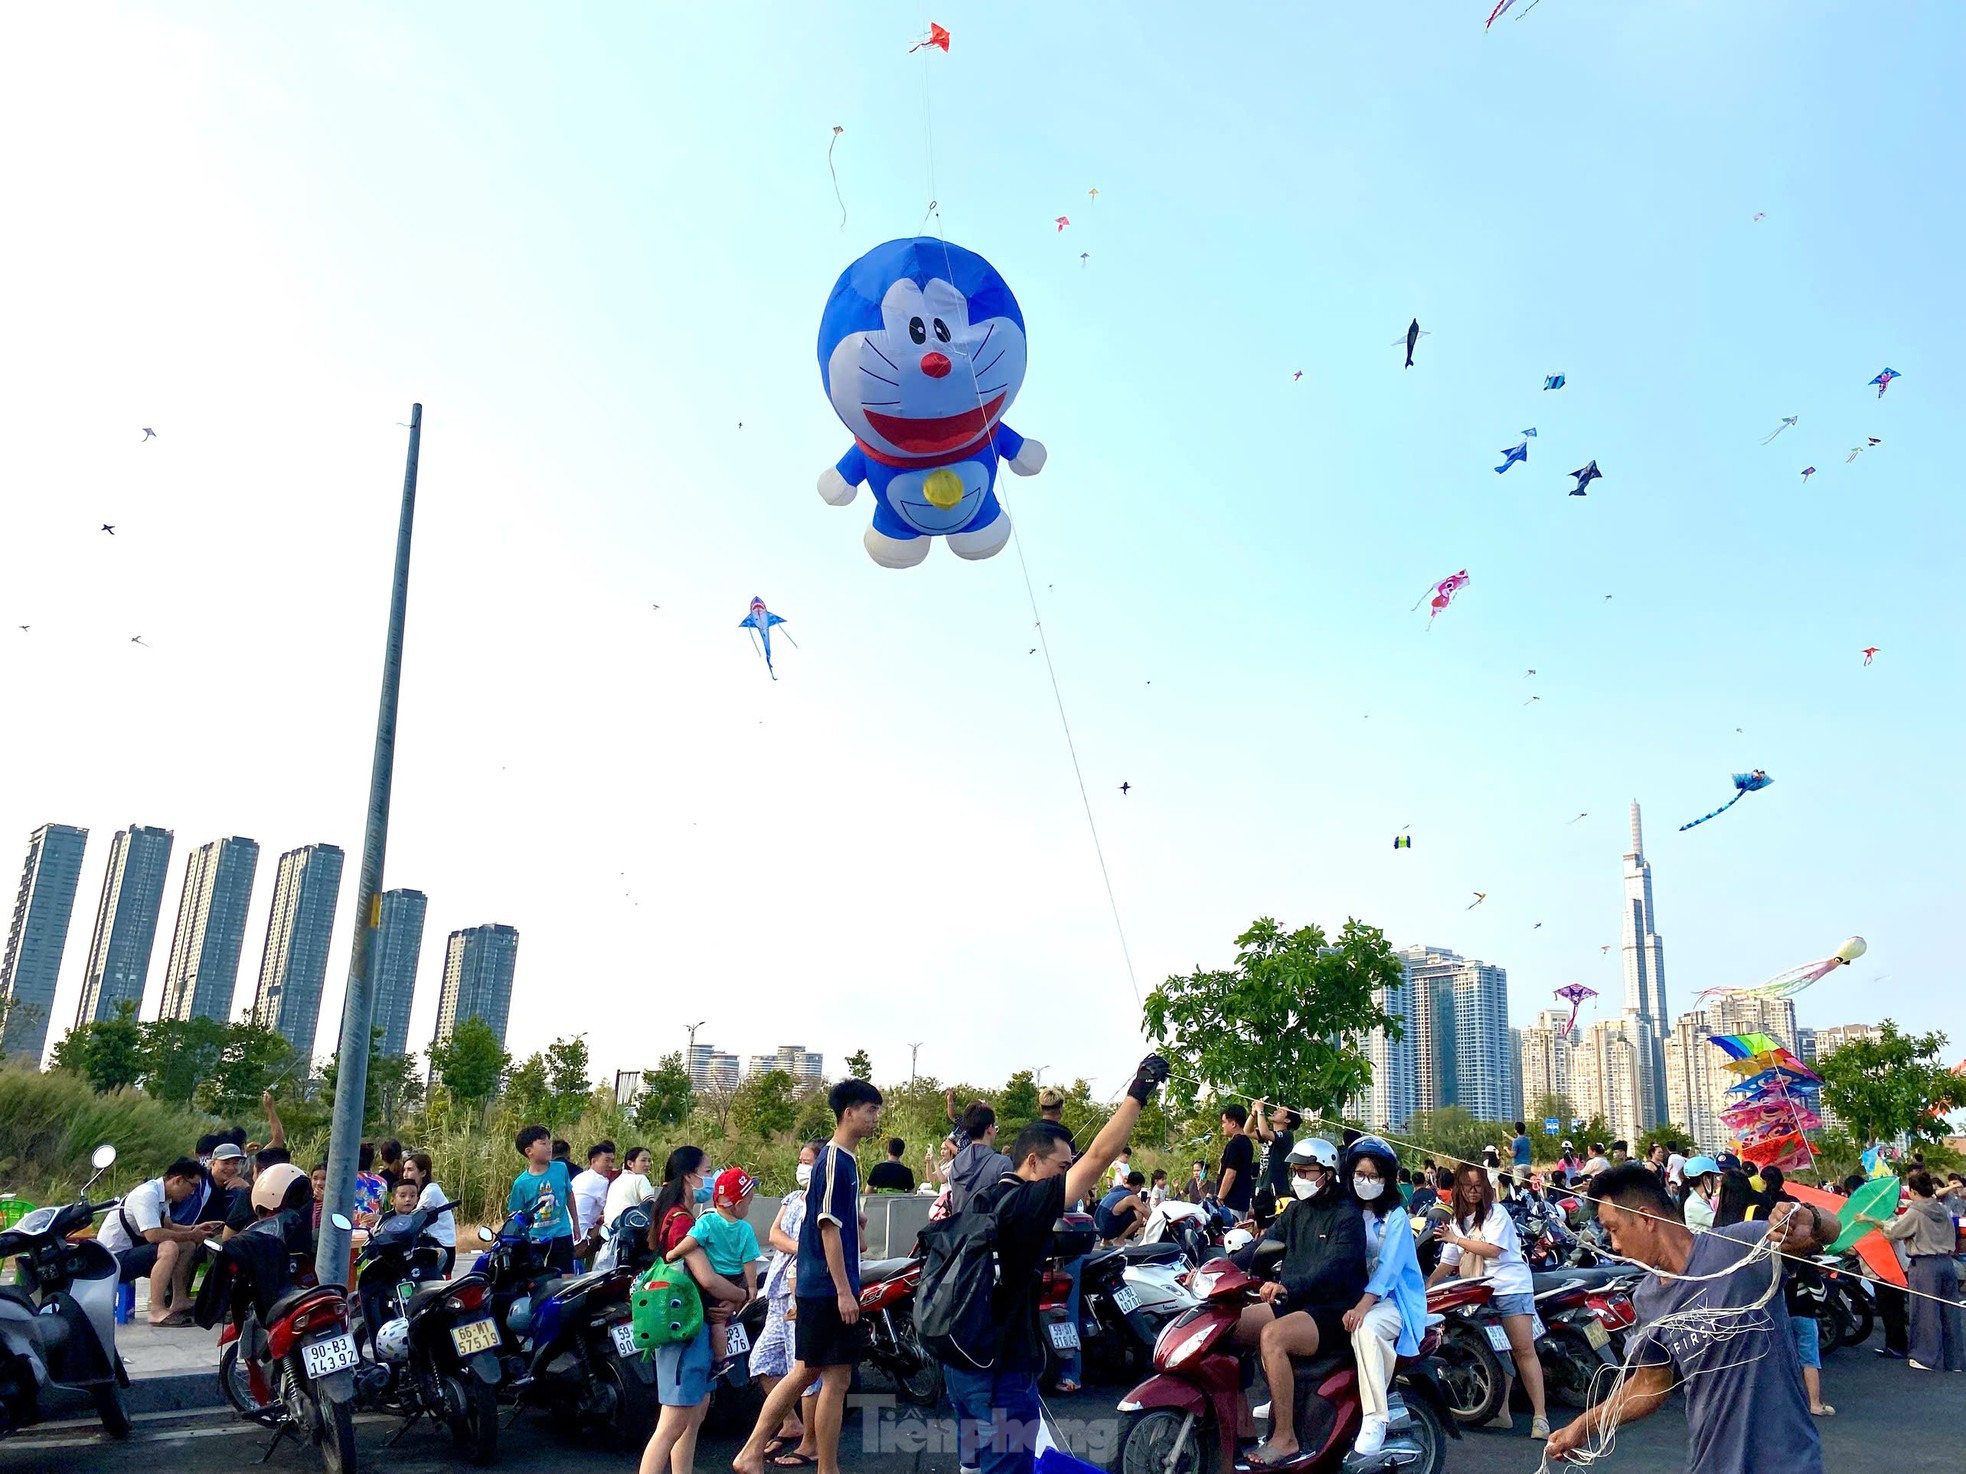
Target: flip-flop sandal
778	1446
794	1460
1825	1411
1066	1389
1257	1461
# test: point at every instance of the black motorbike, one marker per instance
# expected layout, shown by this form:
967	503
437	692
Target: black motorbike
1116	1332
565	1343
432	1345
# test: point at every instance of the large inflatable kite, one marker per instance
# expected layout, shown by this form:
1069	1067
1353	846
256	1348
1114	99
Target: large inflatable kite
921	350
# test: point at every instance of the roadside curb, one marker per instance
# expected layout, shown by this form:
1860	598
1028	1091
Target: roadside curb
174	1392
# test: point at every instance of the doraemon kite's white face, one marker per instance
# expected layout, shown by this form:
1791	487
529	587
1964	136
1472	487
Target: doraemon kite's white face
929	385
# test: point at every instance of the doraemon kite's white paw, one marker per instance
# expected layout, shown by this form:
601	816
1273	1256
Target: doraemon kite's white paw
1030	460
834	489
983	542
895	552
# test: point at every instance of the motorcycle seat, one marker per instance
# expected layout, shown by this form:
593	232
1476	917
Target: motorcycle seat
1327	1360
1162	1253
1590	1278
280	1308
19	1295
1562	1288
424	1294
879	1271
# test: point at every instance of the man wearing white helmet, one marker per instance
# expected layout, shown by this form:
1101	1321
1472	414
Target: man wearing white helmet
1323	1275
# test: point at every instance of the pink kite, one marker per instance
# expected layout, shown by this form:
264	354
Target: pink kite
1063	221
1442	594
1574	994
936	36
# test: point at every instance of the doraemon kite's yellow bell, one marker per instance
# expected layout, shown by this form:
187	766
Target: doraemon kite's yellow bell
943	488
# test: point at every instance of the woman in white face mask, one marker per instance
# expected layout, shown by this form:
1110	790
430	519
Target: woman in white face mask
1386	1323
771	1358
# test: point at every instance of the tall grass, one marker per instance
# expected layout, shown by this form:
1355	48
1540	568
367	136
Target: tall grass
49	1123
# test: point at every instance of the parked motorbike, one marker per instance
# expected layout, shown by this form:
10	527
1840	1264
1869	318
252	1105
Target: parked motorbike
1183	1418
565	1342
58	1317
287	1358
1474	1350
434	1345
887	1310
1197	1230
1126	1295
1577	1340
1849	1285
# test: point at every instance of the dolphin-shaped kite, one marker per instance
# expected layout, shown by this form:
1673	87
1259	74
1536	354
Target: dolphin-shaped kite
760	621
1513	454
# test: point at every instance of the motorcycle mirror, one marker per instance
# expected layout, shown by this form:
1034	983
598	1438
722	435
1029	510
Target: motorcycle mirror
486	1236
102	1157
340	1221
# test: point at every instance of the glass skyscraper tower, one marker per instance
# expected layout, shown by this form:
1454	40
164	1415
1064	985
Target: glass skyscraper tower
126	922
479	962
211	930
39	935
298	931
398	945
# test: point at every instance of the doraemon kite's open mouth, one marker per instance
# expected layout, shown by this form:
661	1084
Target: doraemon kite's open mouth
937	436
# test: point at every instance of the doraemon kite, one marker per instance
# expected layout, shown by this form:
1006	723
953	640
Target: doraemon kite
921	350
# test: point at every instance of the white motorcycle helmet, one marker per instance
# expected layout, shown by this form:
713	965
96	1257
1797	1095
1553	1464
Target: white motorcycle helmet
1237	1238
392	1341
1312	1151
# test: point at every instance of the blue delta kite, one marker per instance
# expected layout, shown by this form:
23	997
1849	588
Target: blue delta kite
1513	454
760	622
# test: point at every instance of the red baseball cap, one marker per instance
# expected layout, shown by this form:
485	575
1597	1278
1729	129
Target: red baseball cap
733	1186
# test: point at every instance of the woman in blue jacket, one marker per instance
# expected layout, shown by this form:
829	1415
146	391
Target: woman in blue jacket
1389	1317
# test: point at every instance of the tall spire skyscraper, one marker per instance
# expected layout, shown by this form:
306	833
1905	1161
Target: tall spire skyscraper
1645	977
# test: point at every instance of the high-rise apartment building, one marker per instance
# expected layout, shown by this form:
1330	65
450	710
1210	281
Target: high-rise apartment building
1645	977
398	946
211	930
126	922
1458	1021
1543	1064
1394	1094
1697	1078
1827	1042
1607	1068
711	1068
300	928
479	965
38	935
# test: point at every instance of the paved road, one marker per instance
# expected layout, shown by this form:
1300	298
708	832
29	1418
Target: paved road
1889	1418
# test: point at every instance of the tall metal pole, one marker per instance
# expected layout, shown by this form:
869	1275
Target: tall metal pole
913	1050
358	1007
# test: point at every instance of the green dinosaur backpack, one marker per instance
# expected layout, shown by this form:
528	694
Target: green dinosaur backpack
665	1308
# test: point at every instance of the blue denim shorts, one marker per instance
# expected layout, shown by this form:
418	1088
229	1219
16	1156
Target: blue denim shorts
1514	1304
1808	1341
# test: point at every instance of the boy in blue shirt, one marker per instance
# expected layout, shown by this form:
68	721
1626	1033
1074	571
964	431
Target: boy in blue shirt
731	1246
545	1190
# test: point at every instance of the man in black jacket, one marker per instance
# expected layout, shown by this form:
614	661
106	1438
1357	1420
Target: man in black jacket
1323	1275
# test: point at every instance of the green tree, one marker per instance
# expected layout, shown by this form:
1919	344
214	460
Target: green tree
1018	1105
178	1054
399	1086
252	1060
859	1066
666	1097
108	1053
1888	1087
529	1090
1288	1020
815	1121
391	1080
1663	1135
471	1063
1450	1135
763	1105
568	1078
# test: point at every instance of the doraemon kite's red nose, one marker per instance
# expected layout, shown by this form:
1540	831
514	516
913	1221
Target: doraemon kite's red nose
935	365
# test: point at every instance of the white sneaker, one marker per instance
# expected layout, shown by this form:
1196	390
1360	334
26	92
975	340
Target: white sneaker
1371	1437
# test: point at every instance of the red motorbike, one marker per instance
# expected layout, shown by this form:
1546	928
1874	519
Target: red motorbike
1584	1318
1184	1419
887	1310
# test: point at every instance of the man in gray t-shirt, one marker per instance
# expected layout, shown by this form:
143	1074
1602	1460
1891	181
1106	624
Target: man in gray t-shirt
1747	1362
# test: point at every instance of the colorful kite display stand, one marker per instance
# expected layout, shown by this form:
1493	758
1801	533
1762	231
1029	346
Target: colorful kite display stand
1775	1105
921	352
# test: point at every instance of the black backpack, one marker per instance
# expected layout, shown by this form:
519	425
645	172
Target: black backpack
955	1311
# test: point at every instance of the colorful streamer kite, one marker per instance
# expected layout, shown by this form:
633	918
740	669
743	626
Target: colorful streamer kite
1776	1108
1575	994
1744	784
1787	421
1442	594
1788	984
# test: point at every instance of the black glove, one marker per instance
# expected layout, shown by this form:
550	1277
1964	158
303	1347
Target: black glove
1151	1075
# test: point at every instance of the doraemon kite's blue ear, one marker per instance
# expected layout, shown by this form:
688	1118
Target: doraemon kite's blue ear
855	306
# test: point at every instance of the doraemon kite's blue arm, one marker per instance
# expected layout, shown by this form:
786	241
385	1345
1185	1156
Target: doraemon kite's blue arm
1008	442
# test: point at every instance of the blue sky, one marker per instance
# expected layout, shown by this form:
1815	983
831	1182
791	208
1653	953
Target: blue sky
594	244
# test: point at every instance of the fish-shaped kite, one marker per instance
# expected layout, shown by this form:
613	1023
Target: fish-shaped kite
1513	454
1744	784
1413	336
1585	477
760	621
1442	594
1553	381
1883	380
1787	420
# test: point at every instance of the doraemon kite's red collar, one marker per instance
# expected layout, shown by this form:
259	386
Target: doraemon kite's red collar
933	441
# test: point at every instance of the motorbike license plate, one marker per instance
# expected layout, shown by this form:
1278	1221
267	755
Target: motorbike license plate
737	1340
1537	1330
1596	1335
624	1339
474	1336
1064	1335
1126	1301
1498	1339
334	1354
